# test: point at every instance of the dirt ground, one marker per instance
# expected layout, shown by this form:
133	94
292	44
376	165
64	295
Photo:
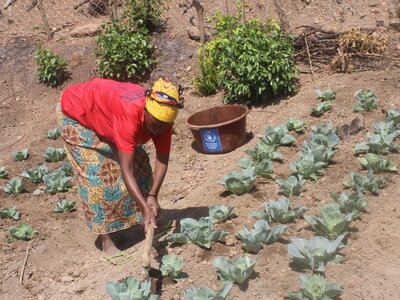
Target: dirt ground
63	260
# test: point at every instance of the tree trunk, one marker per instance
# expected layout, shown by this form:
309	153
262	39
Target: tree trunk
200	21
44	20
283	17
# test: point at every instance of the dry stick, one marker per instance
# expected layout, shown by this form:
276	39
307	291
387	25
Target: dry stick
146	262
227	7
12	144
21	278
44	20
200	20
309	59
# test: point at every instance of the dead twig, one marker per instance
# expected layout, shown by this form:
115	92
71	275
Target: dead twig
12	144
21	278
309	59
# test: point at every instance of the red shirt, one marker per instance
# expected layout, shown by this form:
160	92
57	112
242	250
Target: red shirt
115	111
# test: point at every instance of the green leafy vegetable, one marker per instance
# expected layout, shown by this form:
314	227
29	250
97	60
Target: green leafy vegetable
54	154
321	108
3	173
264	151
66	167
11	213
350	203
14	187
130	289
171	266
199	232
262	168
326	95
386	128
329	141
365	100
308	167
208	294
36	174
394	116
221	213
325	129
377	144
64	205
294	124
20	155
315	287
239	182
56	182
277	136
238	271
362	183
279	211
377	164
316	253
319	152
21	232
54	133
291	187
332	222
261	233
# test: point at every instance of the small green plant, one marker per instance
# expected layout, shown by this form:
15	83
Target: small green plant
20	155
326	129
36	174
239	182
208	294
206	82
54	154
350	203
362	183
11	213
322	107
296	125
66	167
64	205
123	54
22	232
365	100
279	211
3	173
145	15
386	128
316	253
54	133
315	287
221	213
319	152
130	288
328	141
262	168
171	266
238	271
263	151
325	95
51	69
14	187
308	167
291	187
277	136
56	181
377	164
377	144
393	116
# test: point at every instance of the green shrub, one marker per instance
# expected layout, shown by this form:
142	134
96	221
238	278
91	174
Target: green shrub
51	69
254	61
206	82
123	54
145	14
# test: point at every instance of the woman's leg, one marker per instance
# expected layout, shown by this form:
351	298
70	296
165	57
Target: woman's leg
108	245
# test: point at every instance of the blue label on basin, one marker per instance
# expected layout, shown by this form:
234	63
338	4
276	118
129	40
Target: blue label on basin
210	139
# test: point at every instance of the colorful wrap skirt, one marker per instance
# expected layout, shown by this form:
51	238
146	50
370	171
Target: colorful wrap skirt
107	205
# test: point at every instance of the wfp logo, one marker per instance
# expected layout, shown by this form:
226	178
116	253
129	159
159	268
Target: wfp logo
210	136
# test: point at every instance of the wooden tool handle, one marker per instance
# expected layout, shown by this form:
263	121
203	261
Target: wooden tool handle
147	246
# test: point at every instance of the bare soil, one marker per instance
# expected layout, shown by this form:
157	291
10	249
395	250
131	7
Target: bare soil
63	258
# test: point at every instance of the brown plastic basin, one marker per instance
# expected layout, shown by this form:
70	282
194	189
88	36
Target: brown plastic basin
219	129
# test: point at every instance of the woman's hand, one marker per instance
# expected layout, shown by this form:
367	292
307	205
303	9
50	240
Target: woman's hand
148	218
153	204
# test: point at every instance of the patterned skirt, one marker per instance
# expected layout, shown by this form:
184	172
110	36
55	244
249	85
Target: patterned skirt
107	205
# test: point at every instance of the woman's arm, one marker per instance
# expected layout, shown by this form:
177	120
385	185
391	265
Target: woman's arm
161	167
126	161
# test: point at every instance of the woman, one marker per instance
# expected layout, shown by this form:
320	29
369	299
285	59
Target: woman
104	125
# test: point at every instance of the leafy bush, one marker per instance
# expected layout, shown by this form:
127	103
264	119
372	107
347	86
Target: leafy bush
263	151
51	69
11	213
350	203
316	253
254	61
221	213
365	100
261	233
291	187
315	287
22	232
377	144
123	54
326	129
238	271
56	181
3	173
64	205
130	288
239	182
54	133
20	155
199	232
262	168
322	107
36	174
308	167
54	154
145	15
362	183
206	82
279	211
171	266
277	136
14	187
294	124
208	294
377	164
326	95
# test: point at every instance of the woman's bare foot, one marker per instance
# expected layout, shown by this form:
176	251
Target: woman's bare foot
108	245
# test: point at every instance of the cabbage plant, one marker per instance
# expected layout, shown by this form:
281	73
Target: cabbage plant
362	183
54	133
308	167
329	141
319	152
279	211
296	125
262	168
66	167
14	187
277	136
291	187
10	213
20	155
130	289
239	182
64	205
22	232
36	174
393	115
3	173
365	100
56	181
221	213
264	151
199	232
386	128
54	154
208	294
316	253
237	271
321	108
377	164
315	287
326	95
350	203
332	222
171	266
326	129
377	144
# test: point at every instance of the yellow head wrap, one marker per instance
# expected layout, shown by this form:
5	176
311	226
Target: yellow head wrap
163	101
